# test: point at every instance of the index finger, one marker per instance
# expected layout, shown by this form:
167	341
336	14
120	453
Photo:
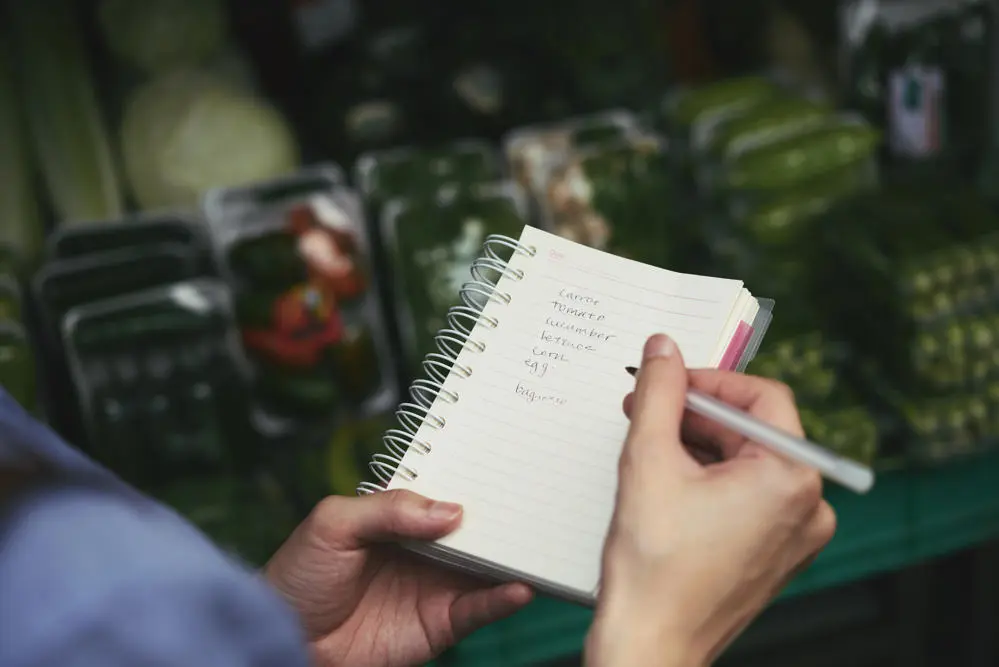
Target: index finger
767	400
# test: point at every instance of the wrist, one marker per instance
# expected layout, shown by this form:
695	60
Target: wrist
636	639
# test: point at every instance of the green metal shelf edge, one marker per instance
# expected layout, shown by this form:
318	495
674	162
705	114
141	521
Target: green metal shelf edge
909	516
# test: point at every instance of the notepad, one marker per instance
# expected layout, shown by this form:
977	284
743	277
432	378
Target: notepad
519	418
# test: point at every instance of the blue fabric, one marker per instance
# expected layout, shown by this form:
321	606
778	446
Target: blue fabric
93	574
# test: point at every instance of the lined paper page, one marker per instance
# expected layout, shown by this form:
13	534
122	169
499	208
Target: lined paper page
531	446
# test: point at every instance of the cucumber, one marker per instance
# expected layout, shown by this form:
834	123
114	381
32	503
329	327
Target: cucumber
787	218
801	158
690	104
774	119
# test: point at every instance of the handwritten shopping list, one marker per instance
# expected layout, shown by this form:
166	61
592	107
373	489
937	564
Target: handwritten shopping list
528	439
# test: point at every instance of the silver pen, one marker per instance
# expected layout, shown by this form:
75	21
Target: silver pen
851	474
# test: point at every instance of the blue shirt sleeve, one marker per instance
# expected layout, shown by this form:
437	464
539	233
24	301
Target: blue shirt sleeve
93	574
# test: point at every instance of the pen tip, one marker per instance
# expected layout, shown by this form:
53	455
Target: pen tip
631	370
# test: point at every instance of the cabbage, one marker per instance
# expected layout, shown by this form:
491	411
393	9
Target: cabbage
189	131
158	35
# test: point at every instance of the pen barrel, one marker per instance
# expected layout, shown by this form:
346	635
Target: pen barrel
849	473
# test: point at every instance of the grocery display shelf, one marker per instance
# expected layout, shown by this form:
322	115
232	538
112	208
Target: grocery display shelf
910	515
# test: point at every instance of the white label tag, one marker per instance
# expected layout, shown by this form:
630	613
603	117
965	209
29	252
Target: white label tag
323	22
915	112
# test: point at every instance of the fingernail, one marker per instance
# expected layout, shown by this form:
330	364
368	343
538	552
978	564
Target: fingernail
659	346
440	511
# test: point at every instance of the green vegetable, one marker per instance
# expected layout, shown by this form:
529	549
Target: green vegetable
160	35
269	261
953	425
423	172
189	131
788	218
850	432
803	363
10	300
313	391
801	158
765	122
22	228
64	118
17	365
692	103
433	250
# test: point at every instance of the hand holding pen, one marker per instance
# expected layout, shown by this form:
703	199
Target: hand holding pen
851	474
695	552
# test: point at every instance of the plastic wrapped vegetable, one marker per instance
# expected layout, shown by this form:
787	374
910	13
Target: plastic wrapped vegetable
160	35
189	131
405	172
432	261
765	122
921	71
615	197
788	218
684	107
802	157
534	151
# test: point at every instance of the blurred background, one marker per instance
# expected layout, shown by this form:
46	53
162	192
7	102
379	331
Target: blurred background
230	230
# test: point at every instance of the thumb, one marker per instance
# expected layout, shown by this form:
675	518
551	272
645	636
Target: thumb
658	402
351	523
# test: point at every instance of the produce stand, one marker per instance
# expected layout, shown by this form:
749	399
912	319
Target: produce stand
358	159
909	516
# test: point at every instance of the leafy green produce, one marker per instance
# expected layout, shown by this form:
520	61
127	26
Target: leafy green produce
416	172
804	363
433	261
954	425
851	432
160	35
189	131
618	198
22	228
534	151
66	129
924	261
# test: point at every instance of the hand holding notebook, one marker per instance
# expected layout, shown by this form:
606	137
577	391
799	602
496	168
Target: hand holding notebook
520	421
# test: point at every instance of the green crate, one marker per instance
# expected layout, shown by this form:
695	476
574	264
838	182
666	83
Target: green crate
956	506
908	516
872	535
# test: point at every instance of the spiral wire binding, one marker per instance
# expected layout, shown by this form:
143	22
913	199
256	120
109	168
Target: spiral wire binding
450	341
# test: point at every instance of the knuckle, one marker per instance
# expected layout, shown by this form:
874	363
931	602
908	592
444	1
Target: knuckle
825	525
801	488
781	391
327	518
328	509
809	487
398	502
